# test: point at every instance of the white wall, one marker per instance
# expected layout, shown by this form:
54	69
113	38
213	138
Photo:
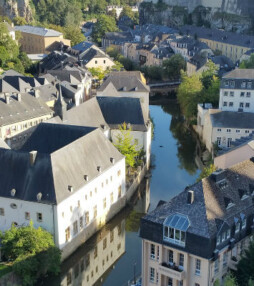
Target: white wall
103	63
236	99
17	215
66	217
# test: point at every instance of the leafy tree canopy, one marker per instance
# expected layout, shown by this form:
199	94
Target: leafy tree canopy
247	64
173	66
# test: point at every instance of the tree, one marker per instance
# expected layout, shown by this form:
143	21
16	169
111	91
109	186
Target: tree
74	34
206	172
127	11
245	267
209	73
126	145
247	64
32	252
19	21
4	56
98	73
103	25
173	66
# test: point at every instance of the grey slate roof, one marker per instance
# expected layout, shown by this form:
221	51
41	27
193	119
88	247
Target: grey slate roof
209	211
219	36
91	54
117	110
63	164
83	46
16	111
229	119
127	80
40	31
240	74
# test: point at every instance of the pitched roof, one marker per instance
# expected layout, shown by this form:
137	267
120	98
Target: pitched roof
91	54
210	201
28	107
230	119
40	31
62	163
83	46
125	81
117	110
240	74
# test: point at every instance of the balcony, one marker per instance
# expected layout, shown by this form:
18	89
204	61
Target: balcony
171	271
233	263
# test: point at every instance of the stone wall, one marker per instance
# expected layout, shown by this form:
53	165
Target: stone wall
15	8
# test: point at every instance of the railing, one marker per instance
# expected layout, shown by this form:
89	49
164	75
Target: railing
172	271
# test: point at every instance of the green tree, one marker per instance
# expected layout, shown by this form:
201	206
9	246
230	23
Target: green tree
206	172
32	252
247	64
245	267
103	25
208	75
127	145
74	34
173	66
19	21
4	56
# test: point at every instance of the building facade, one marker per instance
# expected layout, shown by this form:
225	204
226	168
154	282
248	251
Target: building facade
201	233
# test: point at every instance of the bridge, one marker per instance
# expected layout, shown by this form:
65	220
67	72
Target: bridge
164	87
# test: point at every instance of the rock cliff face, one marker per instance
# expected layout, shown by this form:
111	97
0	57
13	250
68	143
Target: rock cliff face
14	8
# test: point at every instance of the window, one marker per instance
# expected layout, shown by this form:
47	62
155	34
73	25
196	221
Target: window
225	93
180	283
39	217
1	211
244	223
27	215
247	131
152	271
94	212
95	254
231	93
225	103
216	266
96	62
237	227
218	141
86	218
119	192
242	94
158	252
104	243
104	203
111	198
218	240
238	131
229	142
67	234
170	256
249	84
112	236
181	260
219	129
87	260
81	222
228	130
198	266
243	85
247	105
225	259
241	104
69	278
104	61
175	228
226	83
223	237
75	227
170	282
248	94
152	251
231	104
228	233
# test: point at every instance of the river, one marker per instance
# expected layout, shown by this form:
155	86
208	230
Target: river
113	255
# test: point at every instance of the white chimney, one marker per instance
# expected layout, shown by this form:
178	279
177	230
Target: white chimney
32	155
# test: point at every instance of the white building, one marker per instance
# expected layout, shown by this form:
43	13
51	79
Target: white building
237	91
119	9
69	180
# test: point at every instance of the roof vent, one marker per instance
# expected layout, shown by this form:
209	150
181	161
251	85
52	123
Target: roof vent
39	196
13	192
190	198
19	97
70	189
32	156
86	178
112	160
99	169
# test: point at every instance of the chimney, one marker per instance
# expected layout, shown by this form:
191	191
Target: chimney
37	93
190	198
32	155
19	97
39	196
70	189
13	192
7	98
86	178
99	169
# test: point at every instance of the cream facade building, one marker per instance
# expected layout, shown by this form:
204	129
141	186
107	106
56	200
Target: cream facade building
199	235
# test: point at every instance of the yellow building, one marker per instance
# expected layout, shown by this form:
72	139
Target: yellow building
37	40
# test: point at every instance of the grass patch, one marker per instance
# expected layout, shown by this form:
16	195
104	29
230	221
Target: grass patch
4	269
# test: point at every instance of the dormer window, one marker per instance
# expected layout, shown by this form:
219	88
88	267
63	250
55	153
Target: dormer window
226	83
237	225
228	203
174	229
243	219
232	83
228	233
243	85
249	85
242	194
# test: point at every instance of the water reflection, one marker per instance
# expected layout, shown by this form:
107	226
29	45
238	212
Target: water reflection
94	261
